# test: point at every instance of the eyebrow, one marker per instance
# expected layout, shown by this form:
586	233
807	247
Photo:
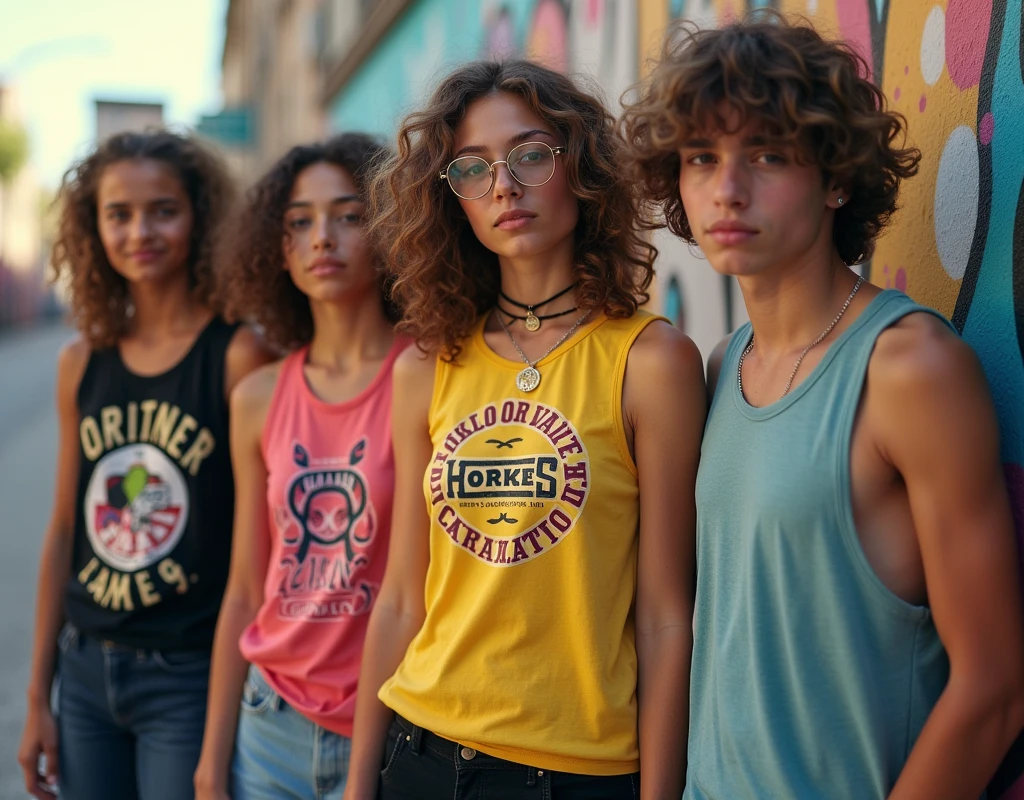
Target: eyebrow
160	201
748	141
519	138
345	198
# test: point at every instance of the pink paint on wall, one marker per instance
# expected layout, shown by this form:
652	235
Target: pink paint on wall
967	24
855	25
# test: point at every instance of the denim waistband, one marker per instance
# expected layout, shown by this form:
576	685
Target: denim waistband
463	756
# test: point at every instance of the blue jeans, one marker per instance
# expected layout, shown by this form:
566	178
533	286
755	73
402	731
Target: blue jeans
282	755
130	720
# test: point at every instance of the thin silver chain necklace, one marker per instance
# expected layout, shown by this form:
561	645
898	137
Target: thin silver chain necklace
528	378
799	361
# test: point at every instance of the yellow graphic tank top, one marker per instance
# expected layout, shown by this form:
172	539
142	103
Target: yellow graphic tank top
528	651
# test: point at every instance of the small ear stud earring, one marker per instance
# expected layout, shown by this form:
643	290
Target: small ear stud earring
840	201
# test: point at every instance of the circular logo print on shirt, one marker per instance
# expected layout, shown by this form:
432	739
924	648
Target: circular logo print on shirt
509	482
136	507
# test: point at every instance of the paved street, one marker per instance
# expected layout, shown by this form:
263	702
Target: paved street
28	445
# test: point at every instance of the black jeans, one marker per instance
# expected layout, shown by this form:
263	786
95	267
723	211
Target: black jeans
419	765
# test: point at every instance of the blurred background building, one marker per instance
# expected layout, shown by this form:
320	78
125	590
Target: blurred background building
117	116
23	234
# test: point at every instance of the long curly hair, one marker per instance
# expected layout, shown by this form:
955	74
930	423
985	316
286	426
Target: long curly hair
444	278
100	299
253	280
795	85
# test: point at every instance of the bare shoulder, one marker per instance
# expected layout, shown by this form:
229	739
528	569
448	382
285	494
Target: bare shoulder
664	374
920	354
662	347
71	363
414	371
74	353
252	394
246	351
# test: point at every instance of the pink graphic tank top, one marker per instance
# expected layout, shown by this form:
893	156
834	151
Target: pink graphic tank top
329	488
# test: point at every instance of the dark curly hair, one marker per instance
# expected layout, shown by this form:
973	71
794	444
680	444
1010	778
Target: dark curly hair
444	277
785	78
99	296
254	284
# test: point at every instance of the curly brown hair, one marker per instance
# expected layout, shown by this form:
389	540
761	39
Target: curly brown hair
100	299
253	281
785	78
444	277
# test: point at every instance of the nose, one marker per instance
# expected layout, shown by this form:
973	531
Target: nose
323	234
730	188
504	184
141	227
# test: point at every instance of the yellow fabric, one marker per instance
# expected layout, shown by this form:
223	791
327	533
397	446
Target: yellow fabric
528	651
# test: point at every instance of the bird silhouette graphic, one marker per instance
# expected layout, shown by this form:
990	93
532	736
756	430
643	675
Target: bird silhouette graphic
500	444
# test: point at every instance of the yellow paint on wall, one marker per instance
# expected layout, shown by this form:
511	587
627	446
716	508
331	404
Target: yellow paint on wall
910	244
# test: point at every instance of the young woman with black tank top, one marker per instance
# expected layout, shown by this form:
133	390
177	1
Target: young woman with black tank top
135	559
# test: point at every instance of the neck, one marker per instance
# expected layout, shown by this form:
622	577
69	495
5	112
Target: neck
533	279
790	306
349	332
164	308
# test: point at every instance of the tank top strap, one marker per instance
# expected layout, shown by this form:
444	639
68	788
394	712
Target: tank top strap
854	353
284	395
738	340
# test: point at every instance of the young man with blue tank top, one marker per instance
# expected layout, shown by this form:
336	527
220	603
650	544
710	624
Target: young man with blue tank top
858	625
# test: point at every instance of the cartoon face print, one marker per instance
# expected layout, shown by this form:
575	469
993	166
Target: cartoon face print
329	506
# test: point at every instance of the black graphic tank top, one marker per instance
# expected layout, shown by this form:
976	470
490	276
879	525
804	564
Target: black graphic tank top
155	499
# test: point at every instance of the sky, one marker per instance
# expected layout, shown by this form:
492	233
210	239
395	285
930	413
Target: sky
60	55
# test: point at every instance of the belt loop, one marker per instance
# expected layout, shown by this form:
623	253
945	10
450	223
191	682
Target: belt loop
417	739
531	776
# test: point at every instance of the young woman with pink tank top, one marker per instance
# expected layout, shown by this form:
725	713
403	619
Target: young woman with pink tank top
314	474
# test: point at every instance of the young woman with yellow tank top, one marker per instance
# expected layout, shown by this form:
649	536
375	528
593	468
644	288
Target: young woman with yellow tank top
532	636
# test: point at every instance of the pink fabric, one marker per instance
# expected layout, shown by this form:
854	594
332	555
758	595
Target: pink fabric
329	488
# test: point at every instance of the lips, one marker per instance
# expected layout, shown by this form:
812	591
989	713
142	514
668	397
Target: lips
730	232
146	256
513	219
326	266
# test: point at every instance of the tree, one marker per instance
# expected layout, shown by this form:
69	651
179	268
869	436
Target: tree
13	149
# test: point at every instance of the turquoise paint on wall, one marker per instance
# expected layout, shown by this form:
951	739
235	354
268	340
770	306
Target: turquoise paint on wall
430	39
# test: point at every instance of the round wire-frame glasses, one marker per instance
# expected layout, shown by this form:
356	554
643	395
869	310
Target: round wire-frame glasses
529	163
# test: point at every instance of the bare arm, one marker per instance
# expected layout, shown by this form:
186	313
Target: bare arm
250	556
40	733
399	612
939	430
665	402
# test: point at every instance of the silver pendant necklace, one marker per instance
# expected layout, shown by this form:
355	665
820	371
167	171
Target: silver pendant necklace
799	361
528	378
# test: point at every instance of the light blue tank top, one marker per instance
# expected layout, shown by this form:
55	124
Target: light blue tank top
810	679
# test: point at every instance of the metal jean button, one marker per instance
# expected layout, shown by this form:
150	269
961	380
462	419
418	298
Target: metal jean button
468	753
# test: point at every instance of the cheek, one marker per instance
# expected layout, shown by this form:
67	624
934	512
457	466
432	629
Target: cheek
477	213
112	238
179	231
